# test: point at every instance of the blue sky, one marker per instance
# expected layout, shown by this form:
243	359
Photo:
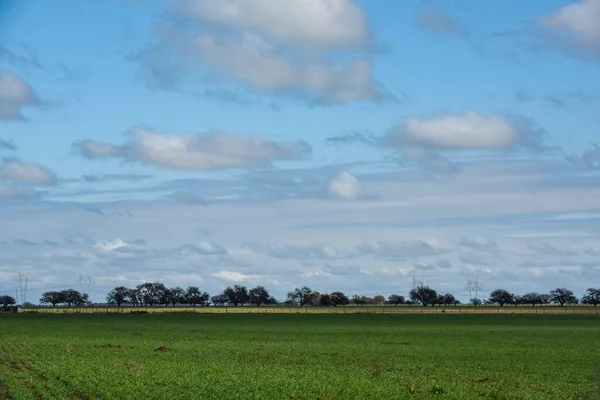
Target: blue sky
336	143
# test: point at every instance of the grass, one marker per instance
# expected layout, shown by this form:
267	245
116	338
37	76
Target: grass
242	356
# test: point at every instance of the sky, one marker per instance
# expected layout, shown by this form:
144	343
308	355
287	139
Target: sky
346	145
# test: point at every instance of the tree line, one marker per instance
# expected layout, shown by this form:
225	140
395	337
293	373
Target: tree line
152	294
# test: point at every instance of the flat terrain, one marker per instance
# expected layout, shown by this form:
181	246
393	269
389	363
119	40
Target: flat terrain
245	356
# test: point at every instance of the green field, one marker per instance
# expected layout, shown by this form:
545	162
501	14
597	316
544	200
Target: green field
245	356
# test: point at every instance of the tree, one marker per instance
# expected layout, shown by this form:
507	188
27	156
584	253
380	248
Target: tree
379	299
134	297
236	295
475	301
151	293
545	298
177	295
396	299
592	296
449	299
517	300
501	297
81	300
361	300
71	296
423	294
259	295
301	296
118	296
6	301
562	296
194	296
338	299
325	300
531	298
219	299
52	297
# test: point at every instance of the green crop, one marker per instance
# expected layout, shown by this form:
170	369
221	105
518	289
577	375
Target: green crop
245	356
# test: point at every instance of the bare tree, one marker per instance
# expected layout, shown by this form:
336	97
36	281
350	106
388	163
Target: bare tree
301	296
259	295
562	296
118	296
592	296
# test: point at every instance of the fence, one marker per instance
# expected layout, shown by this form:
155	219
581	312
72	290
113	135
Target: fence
321	310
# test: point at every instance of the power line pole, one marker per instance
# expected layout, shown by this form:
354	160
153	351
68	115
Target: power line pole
418	282
23	281
473	287
85	282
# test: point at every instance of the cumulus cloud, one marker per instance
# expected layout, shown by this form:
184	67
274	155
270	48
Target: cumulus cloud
18	171
345	186
437	19
310	23
468	131
213	150
232	276
575	27
423	139
268	46
15	95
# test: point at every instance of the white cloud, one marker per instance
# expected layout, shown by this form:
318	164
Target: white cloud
108	245
311	23
272	47
345	186
19	171
255	62
421	139
213	150
575	25
468	131
232	276
15	95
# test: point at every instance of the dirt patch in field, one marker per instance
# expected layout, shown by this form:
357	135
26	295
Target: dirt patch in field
112	346
161	349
